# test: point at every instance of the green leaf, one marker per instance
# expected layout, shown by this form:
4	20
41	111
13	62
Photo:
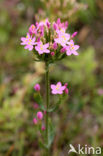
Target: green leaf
39	100
51	133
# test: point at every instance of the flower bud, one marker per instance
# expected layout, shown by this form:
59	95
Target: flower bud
35	121
55	46
37	87
36	106
74	34
52	53
48	24
66	91
63	50
40	115
66	24
66	84
43	128
32	29
55	26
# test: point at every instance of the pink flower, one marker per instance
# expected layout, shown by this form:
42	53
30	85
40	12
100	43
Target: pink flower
55	26
66	91
55	46
100	91
74	34
37	87
35	121
43	128
42	48
32	29
28	41
52	53
36	106
40	115
62	38
63	50
71	49
58	88
44	22
48	24
41	30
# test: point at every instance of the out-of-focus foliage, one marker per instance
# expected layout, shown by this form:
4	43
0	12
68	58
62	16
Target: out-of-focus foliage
79	119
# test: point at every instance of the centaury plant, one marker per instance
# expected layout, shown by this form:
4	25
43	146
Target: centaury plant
49	43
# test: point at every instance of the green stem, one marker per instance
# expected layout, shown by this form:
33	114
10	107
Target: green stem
47	105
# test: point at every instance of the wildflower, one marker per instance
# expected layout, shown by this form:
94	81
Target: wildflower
48	24
28	41
36	106
71	49
62	38
74	34
63	50
54	26
42	48
44	22
100	91
32	29
40	115
41	30
58	88
37	87
55	46
43	128
35	121
52	53
66	89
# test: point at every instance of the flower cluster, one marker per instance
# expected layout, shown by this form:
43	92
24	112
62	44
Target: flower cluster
50	41
38	119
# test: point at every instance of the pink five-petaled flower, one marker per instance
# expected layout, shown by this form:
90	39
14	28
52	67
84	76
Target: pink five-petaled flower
37	87
62	38
40	115
71	48
42	48
28	41
58	88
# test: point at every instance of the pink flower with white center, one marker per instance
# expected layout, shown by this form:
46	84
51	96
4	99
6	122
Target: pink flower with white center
32	29
62	38
71	49
28	41
58	88
42	48
37	87
25	39
40	115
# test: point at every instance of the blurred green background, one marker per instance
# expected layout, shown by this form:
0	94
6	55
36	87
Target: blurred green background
80	119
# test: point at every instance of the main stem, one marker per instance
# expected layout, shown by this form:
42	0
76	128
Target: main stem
47	105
